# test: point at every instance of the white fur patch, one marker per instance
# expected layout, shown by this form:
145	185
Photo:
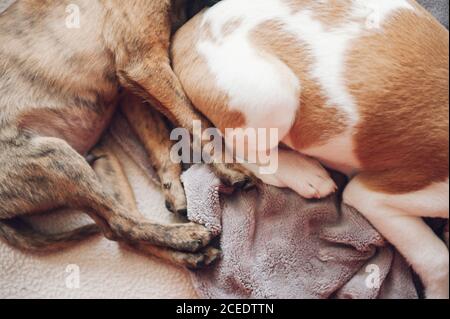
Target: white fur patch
262	87
378	11
329	49
398	219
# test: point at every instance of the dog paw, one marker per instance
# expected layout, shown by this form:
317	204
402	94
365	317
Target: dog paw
315	186
436	280
202	259
175	196
188	237
437	285
305	175
235	175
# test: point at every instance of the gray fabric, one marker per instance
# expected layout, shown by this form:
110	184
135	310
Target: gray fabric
4	4
439	8
278	245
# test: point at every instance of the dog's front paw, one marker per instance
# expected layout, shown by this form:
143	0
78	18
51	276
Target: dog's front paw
314	185
234	175
202	259
189	237
305	175
436	279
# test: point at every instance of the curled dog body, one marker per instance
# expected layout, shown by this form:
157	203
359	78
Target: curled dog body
358	86
60	84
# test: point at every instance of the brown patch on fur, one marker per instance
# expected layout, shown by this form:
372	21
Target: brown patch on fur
231	26
193	72
316	122
402	140
333	13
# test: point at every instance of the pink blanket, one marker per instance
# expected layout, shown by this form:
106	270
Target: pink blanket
278	245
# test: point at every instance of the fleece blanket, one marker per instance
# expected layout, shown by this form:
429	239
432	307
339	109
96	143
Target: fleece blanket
104	269
439	8
275	244
4	4
278	245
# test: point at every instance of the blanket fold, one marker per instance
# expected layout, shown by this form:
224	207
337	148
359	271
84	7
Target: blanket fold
278	245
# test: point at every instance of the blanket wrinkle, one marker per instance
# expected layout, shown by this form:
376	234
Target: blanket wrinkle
278	245
108	272
360	236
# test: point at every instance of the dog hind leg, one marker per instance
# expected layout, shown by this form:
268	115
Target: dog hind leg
40	174
398	218
115	183
154	135
153	79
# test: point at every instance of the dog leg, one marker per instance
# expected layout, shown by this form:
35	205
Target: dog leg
152	78
39	174
154	135
115	184
305	175
398	218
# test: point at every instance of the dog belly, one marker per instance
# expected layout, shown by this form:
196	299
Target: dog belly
80	128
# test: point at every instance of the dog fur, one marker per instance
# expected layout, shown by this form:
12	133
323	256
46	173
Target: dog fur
59	88
358	85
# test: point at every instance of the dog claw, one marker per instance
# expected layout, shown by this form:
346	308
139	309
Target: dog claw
189	237
200	260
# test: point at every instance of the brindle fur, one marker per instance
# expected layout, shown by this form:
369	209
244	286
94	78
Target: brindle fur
59	88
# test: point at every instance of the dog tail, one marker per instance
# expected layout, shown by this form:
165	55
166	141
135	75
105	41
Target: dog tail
20	235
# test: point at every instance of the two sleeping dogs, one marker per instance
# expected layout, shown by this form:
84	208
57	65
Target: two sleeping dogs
360	86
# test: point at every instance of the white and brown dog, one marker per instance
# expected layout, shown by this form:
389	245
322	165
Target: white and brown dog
360	86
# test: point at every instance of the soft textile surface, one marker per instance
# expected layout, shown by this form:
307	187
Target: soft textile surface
4	4
107	270
439	8
278	245
110	271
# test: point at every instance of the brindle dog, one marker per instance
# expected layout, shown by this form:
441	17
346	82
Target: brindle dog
59	88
